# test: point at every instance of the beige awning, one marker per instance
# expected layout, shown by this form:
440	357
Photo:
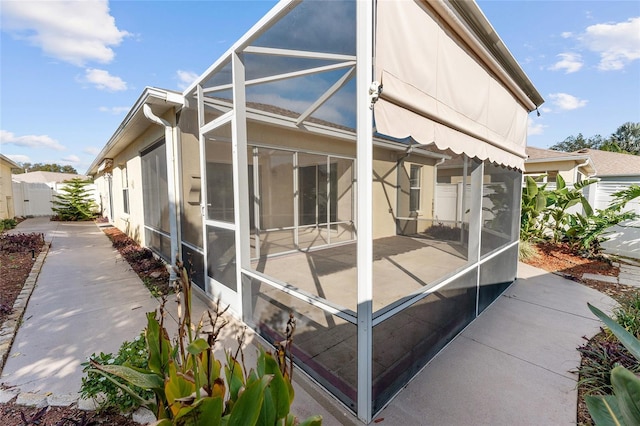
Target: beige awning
437	87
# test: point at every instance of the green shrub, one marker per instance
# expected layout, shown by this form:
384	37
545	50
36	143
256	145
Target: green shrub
107	394
628	313
191	387
8	224
74	203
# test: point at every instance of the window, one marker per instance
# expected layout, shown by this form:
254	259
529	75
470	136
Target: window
156	199
125	189
414	187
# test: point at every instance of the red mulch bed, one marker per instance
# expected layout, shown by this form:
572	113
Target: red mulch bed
152	271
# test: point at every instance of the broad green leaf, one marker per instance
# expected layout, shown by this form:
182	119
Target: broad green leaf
125	388
204	412
541	202
532	187
210	410
588	210
235	380
626	388
149	381
246	410
197	346
158	344
268	410
560	183
278	388
604	410
627	339
177	387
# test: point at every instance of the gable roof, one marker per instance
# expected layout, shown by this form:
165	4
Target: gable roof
613	163
45	177
536	155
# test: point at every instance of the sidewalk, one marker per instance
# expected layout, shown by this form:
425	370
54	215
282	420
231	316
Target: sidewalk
511	366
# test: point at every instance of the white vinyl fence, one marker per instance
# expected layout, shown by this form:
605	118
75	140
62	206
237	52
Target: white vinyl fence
624	239
34	199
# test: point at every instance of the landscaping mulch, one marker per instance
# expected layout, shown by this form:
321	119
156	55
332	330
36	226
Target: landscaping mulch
151	270
12	415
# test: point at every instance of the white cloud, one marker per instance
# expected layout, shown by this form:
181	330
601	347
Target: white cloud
534	128
185	78
104	81
567	102
569	62
71	159
114	110
19	158
73	31
618	44
30	141
566	34
545	110
91	150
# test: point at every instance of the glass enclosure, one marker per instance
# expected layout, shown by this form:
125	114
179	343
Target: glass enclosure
279	198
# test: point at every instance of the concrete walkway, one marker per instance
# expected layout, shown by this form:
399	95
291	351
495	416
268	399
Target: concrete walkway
513	365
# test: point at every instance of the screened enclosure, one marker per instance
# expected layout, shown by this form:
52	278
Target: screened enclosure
377	204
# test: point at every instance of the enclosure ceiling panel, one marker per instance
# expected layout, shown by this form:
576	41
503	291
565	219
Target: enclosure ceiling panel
437	91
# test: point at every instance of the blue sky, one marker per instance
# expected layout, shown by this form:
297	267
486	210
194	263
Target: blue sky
70	70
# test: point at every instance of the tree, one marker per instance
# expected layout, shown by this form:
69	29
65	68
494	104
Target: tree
44	167
576	143
74	203
627	138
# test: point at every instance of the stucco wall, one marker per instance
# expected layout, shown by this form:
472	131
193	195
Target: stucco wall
6	191
566	169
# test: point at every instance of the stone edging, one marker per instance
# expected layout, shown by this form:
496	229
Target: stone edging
12	323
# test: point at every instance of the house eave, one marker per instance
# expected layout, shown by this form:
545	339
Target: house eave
135	122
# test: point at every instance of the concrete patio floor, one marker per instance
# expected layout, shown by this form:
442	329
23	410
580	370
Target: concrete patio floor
512	365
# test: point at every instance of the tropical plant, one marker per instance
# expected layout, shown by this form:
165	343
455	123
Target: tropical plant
187	380
560	200
74	203
623	406
534	202
588	232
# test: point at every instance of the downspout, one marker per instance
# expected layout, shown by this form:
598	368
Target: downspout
591	192
587	161
169	133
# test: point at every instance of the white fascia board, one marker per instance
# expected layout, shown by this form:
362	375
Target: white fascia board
278	11
553	159
149	94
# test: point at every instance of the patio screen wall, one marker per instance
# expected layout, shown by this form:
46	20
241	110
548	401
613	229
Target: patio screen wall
283	198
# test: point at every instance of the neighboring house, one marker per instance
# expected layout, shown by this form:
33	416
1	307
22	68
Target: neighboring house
547	164
35	191
616	172
268	178
613	172
7	210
